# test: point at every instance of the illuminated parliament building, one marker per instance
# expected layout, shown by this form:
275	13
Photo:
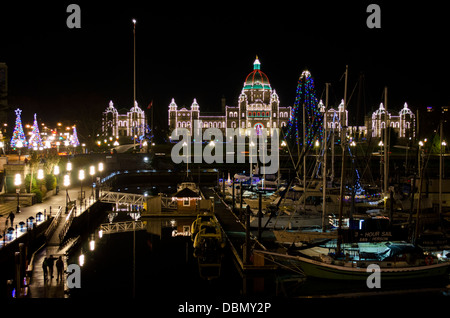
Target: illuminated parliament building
258	107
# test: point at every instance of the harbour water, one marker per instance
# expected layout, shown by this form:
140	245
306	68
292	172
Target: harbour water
165	268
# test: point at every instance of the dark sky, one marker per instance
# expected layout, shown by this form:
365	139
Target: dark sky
186	50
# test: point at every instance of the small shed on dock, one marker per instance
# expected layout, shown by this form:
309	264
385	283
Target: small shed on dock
187	200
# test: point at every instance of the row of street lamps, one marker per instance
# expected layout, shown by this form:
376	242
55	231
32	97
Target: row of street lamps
66	180
81	177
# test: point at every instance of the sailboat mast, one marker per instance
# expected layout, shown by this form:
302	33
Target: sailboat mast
441	132
324	167
386	146
341	192
304	158
134	80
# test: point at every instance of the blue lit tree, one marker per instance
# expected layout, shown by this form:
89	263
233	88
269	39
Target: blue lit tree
305	95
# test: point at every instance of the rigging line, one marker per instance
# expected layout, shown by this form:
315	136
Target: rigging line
294	267
348	101
290	155
321	94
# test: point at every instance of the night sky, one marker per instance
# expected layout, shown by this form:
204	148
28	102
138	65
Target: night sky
206	50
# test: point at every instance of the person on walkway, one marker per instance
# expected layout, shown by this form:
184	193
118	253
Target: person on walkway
44	268
59	268
50	263
11	217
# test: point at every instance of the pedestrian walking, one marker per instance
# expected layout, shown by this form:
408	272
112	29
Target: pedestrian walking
59	269
44	268
50	263
11	216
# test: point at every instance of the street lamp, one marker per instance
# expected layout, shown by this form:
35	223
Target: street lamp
19	145
81	178
250	154
40	174
67	184
187	158
99	178
92	173
18	183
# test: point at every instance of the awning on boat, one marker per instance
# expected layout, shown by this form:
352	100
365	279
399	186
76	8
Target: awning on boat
395	249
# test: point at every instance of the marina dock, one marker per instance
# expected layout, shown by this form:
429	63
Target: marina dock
235	232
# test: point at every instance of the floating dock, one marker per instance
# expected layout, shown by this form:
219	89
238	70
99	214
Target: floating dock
235	233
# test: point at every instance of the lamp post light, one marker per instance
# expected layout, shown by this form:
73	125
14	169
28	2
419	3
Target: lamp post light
56	172
19	145
40	174
18	183
381	145
419	163
81	178
250	154
187	159
67	184
92	173
100	170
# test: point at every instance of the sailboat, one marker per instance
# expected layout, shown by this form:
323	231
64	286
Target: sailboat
354	261
398	261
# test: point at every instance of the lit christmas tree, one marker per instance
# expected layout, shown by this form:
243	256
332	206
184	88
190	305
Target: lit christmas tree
74	138
18	137
35	139
305	95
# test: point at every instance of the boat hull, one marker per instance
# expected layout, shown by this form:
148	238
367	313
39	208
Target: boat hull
322	270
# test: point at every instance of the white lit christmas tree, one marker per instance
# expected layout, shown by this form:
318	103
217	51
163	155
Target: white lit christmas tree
74	138
35	141
18	138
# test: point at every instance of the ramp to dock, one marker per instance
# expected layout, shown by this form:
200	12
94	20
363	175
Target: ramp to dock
235	234
39	287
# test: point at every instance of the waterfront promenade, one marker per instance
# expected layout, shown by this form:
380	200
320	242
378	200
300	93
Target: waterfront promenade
38	286
48	208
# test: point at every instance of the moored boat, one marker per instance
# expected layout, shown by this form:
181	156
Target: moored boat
398	265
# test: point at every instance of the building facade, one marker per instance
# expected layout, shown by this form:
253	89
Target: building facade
123	122
403	123
258	107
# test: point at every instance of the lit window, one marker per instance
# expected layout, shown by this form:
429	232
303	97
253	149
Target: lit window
186	202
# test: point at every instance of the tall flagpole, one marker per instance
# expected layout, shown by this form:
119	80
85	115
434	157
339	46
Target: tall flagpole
134	145
134	81
134	60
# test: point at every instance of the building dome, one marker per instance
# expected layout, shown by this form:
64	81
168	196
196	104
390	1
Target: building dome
406	111
257	79
380	112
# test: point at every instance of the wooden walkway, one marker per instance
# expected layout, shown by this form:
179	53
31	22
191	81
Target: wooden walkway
48	287
235	233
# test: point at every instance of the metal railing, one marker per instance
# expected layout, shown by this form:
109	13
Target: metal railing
54	224
123	198
168	203
118	227
67	223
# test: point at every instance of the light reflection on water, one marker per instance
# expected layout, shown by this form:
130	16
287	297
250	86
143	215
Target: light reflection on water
165	266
